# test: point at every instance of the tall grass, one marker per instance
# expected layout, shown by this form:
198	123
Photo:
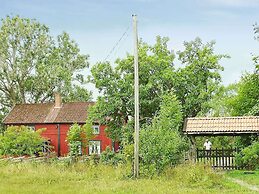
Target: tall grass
62	177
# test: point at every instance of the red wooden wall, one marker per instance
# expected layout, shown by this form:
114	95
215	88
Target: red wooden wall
51	133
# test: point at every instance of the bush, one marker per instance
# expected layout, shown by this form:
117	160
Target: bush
161	144
110	157
20	140
78	137
249	157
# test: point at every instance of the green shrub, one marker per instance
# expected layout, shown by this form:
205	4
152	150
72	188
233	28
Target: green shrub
110	157
249	157
78	137
20	140
161	144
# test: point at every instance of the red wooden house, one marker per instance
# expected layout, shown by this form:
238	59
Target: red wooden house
57	118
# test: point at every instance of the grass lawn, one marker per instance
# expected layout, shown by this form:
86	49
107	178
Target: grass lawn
249	178
59	177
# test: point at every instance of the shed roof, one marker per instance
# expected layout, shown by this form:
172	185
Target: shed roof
221	125
72	112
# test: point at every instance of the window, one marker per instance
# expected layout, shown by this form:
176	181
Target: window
32	127
94	147
96	129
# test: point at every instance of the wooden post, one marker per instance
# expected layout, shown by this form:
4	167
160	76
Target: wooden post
193	149
136	92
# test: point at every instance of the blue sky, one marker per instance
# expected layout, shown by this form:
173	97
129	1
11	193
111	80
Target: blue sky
97	25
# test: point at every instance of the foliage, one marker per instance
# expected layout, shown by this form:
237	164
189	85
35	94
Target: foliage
245	140
219	104
77	138
219	142
1	126
197	81
116	85
110	157
256	57
33	64
20	140
194	84
246	101
249	157
161	144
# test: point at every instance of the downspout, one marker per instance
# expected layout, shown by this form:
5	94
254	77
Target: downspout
58	126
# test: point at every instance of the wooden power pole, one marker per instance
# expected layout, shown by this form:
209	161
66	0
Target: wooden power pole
136	94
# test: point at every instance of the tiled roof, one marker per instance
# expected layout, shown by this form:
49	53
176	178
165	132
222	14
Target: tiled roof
72	112
222	125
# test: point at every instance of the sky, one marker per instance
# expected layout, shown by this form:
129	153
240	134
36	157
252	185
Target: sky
97	25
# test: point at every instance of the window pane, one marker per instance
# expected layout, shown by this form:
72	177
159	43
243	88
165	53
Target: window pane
94	147
96	129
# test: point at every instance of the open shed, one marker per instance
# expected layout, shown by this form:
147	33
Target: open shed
219	126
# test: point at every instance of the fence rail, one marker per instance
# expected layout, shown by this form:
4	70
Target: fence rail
218	158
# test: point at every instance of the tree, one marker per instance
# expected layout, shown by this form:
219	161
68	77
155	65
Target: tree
78	137
116	106
33	64
161	143
198	80
249	157
219	103
246	100
194	84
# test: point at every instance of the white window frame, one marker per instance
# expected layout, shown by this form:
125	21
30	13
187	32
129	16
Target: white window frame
96	129
93	143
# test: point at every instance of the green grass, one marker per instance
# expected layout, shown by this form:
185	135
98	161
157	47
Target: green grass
249	178
59	177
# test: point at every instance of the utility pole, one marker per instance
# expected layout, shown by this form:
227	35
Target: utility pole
136	94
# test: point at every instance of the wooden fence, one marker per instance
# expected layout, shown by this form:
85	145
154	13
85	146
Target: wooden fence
218	158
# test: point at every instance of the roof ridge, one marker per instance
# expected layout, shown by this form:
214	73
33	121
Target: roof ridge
228	117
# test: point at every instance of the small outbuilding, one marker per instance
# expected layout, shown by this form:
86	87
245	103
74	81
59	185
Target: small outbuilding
219	126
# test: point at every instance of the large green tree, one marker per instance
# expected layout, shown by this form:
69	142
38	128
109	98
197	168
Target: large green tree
33	64
198	80
193	84
156	72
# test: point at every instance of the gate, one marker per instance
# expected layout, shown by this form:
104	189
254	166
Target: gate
218	158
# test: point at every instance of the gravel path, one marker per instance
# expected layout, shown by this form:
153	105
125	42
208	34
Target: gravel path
245	184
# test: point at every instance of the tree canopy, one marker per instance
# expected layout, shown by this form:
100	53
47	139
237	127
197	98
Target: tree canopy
198	80
193	84
116	84
246	99
33	64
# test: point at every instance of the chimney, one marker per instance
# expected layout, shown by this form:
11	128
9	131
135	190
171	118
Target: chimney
58	100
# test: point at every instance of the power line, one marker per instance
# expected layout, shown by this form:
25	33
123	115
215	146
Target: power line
117	43
119	46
